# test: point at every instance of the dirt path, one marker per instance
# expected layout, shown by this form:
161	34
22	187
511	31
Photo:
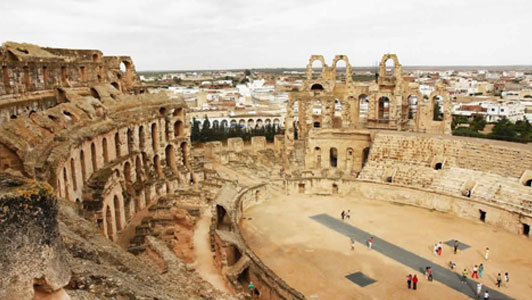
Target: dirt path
204	257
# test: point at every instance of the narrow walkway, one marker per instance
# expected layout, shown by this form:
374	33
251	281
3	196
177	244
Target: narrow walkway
204	257
417	263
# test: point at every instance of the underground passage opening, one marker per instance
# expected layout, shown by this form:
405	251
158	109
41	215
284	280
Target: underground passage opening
389	179
526	229
528	183
438	166
243	277
234	255
301	188
223	220
482	215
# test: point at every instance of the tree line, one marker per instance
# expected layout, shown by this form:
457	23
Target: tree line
504	129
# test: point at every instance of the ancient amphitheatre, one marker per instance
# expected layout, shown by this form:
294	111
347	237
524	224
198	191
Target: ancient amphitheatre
104	197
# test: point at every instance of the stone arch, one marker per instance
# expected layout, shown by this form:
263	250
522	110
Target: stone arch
267	122
223	124
333	157
94	159
138	168
413	101
348	69
242	123
223	220
105	151
349	154
233	123
316	87
365	156
65	184
184	153
170	158
179	129
128	72
157	165
335	188
276	122
116	85
142	137
154	137
130	140
317	157
110	232
251	124
73	174
310	73
127	172
83	166
528	183
259	123
383	108
385	75
118	212
117	144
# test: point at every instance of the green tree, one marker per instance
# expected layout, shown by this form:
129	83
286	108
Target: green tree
478	123
503	129
247	72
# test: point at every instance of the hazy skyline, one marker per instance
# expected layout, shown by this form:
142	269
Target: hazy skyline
210	34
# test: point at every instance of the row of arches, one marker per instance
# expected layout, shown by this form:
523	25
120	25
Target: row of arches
244	123
348	158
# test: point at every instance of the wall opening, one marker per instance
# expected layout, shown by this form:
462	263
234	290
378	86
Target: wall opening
333	157
45	75
438	166
384	108
127	172
526	229
528	183
142	137
5	76
73	174
317	125
184	154
117	144
138	168
179	129
125	66
115	85
93	157
341	70
412	107
127	209
109	223
118	211
83	167
243	278
234	255
27	80
316	72
61	96
316	87
65	183
482	215
157	165
301	188
64	75
170	158
130	140
223	219
95	57
105	151
154	137
83	73
334	188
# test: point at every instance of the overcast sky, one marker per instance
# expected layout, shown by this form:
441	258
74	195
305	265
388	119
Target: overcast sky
221	34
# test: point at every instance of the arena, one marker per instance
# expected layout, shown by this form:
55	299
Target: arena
134	211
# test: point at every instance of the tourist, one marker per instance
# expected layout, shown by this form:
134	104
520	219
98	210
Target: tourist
427	273
414	281
451	265
251	288
348	214
499	280
486	295
506	279
343	215
440	248
475	272
370	243
479	289
352	244
435	249
409	280
486	253
480	270
430	274
455	246
464	276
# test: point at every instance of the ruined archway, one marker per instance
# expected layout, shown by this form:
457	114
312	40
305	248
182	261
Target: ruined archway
412	106
142	137
83	166
93	157
170	158
118	212
365	156
316	87
130	140
154	137
138	168
105	151
383	109
117	144
223	220
363	107
184	153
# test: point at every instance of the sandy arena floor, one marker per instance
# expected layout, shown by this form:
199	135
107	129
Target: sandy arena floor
315	259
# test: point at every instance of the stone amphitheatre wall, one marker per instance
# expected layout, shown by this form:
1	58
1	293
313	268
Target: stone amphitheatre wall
110	153
234	257
33	78
461	206
490	171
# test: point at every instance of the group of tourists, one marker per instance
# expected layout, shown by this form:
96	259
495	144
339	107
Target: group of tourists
412	281
346	214
438	248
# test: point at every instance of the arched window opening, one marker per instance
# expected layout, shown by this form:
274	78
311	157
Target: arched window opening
105	151
83	167
154	137
438	166
157	165
95	57
118	213
109	223
94	158
138	168
224	124
437	113
130	140
115	85
242	123
83	73
317	69
316	87
179	129
334	188
63	75
125	67
184	154
317	153
317	125
528	183
412	107
95	94
296	130
223	219
384	108
127	172
363	108
333	157
170	158
142	137
390	69
65	184
251	124
341	70
117	144
73	174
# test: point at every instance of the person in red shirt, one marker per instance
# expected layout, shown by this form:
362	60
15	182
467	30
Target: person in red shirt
370	242
414	281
